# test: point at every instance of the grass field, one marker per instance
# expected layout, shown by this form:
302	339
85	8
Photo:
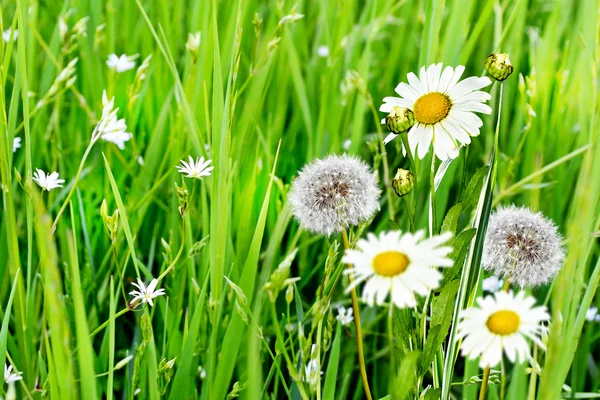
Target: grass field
261	88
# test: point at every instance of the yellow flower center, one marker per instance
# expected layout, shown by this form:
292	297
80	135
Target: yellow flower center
431	108
390	263
503	322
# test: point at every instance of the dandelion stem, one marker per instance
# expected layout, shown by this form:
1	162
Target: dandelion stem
484	383
359	343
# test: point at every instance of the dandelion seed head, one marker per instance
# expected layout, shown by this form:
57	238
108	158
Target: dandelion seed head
522	246
333	193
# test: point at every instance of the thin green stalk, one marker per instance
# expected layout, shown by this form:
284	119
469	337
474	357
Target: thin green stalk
359	339
413	167
484	383
432	211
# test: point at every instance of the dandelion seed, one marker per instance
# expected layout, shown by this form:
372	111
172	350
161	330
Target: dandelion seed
195	169
522	246
10	376
402	265
49	181
146	293
345	315
16	144
347	144
6	35
333	193
110	128
492	284
501	323
121	63
444	109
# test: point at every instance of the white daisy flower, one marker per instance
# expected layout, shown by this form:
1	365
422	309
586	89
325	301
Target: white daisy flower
6	35
333	193
146	293
195	169
522	246
345	315
501	323
400	264
10	376
16	144
110	128
122	63
49	181
443	109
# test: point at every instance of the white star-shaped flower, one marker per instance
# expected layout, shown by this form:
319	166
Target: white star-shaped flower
47	181
122	63
146	293
10	376
345	315
16	144
6	35
110	128
195	169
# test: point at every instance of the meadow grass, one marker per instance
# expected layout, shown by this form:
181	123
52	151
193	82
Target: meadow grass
261	99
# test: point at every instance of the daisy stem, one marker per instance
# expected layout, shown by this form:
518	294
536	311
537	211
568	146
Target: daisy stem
391	340
411	218
359	342
413	168
386	168
74	186
433	219
484	382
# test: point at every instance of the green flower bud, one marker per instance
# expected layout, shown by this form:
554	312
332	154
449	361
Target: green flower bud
182	196
111	222
400	120
403	182
498	66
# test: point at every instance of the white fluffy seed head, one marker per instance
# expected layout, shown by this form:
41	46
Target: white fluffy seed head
522	246
333	193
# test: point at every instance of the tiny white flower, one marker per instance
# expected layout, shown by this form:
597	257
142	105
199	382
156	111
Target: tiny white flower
492	284
312	370
201	372
16	144
146	293
402	265
6	35
122	63
110	128
10	376
501	323
345	315
49	181
323	51
137	391
592	314
195	169
347	144
193	42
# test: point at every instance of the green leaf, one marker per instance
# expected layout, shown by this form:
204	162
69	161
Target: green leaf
432	393
332	367
471	194
407	376
451	219
460	246
5	321
393	225
429	349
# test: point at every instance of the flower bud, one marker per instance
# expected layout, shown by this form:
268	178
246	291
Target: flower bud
182	196
498	66
400	120
110	222
403	182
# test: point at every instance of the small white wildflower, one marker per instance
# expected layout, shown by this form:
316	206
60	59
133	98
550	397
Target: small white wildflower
10	376
6	35
122	63
47	182
195	169
16	144
345	315
501	323
592	314
201	372
492	284
193	42
346	145
323	51
137	391
522	246
146	293
312	370
333	193
110	128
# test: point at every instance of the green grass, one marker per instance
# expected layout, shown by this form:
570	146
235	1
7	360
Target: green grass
258	100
